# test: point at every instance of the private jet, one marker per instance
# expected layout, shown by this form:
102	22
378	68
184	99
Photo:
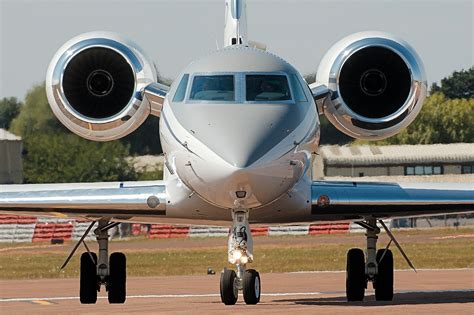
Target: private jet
239	129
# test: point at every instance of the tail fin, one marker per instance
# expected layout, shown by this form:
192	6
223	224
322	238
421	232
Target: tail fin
235	30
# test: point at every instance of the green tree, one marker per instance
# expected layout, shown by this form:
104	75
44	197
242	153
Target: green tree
54	154
459	85
441	120
9	109
68	158
36	115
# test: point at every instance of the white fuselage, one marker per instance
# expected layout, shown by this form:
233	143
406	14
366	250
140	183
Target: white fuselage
259	150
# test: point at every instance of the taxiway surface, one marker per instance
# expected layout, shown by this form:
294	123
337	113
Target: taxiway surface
425	292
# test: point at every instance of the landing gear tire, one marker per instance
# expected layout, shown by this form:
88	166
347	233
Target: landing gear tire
117	278
88	279
229	290
251	286
383	283
355	275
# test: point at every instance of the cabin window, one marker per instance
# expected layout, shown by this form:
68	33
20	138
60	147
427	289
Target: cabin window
265	88
181	90
213	88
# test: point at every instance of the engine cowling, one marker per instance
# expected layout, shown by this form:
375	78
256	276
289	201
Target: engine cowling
94	85
377	84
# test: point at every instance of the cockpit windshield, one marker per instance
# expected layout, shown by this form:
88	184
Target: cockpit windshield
267	88
213	88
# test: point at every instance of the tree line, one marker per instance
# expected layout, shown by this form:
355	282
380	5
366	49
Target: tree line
53	154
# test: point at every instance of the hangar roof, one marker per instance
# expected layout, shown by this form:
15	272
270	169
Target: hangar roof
397	154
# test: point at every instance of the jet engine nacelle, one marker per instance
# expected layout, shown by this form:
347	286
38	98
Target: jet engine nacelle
94	85
377	84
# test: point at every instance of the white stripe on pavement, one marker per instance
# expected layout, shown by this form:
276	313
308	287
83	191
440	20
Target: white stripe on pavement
398	270
149	296
173	296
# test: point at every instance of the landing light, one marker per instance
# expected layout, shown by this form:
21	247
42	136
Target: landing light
237	255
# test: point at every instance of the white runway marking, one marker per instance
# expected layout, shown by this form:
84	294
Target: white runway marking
178	296
150	296
398	270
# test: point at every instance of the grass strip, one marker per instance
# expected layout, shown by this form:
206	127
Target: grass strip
453	253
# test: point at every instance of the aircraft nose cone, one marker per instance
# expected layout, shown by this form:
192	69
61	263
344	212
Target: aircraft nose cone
240	134
242	151
241	137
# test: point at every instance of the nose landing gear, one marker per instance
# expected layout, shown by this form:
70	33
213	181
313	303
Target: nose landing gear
240	252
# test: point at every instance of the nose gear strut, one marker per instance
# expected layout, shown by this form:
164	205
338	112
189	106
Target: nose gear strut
240	253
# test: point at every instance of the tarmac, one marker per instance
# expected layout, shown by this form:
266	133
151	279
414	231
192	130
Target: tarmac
426	292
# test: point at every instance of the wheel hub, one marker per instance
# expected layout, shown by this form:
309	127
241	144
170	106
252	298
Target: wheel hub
236	287
257	286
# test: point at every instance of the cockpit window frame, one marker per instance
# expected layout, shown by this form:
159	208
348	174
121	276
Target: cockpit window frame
183	83
281	73
198	74
240	88
300	85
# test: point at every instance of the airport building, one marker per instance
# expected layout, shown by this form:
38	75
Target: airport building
394	160
11	146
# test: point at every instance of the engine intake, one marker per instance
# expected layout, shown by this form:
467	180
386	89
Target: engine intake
377	85
94	85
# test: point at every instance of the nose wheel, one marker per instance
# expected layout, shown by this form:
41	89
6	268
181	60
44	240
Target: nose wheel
251	286
240	253
229	287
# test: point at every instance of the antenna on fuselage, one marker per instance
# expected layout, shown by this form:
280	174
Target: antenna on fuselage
235	27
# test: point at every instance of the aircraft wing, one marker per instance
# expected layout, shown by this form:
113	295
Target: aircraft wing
355	200
331	200
113	200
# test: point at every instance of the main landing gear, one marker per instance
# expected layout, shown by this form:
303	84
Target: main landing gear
376	267
240	253
97	270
